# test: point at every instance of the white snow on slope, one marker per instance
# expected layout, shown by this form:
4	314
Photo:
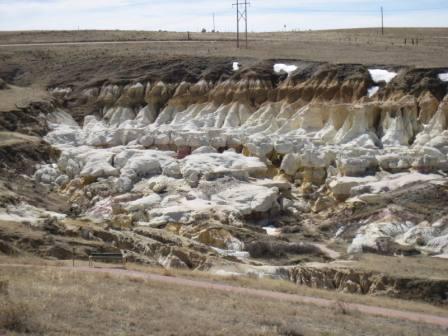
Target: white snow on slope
444	77
278	68
236	66
380	75
272	231
373	91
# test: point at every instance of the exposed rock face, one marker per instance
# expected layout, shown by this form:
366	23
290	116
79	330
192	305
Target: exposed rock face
30	120
183	169
359	282
319	111
203	144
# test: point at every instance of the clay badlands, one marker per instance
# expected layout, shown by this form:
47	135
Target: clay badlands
275	168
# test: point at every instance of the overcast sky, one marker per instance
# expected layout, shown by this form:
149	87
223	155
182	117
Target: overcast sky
192	15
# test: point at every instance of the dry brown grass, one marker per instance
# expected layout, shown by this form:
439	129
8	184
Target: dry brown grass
291	288
251	282
14	314
64	302
364	46
419	266
17	97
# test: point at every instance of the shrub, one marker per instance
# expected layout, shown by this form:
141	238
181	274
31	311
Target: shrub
14	316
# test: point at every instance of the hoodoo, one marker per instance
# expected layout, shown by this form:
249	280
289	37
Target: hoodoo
253	145
295	170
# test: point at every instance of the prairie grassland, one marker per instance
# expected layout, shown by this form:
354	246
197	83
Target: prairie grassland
48	301
423	47
281	286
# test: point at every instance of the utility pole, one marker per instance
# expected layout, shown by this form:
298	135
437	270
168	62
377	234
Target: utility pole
382	21
241	14
237	23
245	11
214	25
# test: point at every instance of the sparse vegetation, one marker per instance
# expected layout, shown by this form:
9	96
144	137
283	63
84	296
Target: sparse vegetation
337	46
112	305
51	301
250	281
14	314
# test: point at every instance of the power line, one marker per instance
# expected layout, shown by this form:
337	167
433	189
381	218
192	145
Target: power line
241	14
396	10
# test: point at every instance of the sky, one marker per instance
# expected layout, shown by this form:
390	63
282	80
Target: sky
193	15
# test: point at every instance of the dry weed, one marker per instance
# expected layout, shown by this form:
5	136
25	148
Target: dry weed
167	272
341	308
15	316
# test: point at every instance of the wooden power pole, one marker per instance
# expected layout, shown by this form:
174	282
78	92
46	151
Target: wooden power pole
382	20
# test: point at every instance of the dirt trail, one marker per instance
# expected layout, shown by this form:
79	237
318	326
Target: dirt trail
331	253
49	44
370	310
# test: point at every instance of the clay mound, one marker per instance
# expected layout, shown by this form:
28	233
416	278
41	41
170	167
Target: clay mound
325	71
21	152
169	70
29	120
418	81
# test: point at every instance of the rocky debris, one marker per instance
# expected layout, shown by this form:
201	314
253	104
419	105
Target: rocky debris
405	216
220	238
29	120
21	154
369	283
344	187
18	238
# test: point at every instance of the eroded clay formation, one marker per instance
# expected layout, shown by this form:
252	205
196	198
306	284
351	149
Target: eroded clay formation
252	147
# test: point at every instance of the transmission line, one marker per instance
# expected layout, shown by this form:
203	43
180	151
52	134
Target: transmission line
241	14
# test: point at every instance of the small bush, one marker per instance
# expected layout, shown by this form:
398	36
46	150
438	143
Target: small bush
167	272
341	308
14	316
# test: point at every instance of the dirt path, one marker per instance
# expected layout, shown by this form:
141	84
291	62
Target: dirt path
331	253
49	44
370	310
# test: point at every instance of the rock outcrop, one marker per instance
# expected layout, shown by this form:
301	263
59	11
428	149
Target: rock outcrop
370	283
191	168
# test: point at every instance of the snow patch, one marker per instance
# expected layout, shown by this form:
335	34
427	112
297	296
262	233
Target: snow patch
444	77
373	91
272	231
380	75
236	66
278	68
232	253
